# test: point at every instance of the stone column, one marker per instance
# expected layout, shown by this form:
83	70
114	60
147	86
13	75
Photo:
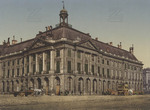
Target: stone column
10	86
44	62
15	85
63	84
25	66
51	84
63	61
52	60
72	88
76	86
100	87
75	62
97	86
30	65
37	64
1	87
89	64
83	63
84	86
91	86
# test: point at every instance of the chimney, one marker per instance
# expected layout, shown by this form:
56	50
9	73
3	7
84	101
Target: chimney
8	42
4	42
46	28
121	45
96	38
131	49
118	46
20	39
110	43
14	41
40	32
51	30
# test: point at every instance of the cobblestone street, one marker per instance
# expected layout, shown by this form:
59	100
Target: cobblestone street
141	102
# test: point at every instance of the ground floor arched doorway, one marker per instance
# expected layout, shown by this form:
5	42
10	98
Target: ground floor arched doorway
46	85
39	86
57	85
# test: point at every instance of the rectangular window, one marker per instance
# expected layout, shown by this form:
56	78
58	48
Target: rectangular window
86	68
128	66
8	63
34	57
22	71
48	61
13	62
12	72
23	61
92	57
58	53
103	72
48	54
98	60
93	69
107	62
103	61
3	64
48	65
98	70
4	73
27	68
58	67
108	75
8	74
34	68
69	66
79	68
17	71
27	58
40	65
17	61
135	68
69	52
79	54
125	66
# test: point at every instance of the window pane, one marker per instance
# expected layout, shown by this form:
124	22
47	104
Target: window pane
58	53
58	67
69	66
69	52
86	68
79	68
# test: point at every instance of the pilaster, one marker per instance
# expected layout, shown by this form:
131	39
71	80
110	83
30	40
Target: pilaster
52	60
37	64
44	62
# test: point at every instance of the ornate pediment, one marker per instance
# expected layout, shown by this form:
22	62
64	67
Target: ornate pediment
38	44
88	45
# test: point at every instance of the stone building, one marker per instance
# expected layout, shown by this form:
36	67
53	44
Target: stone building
65	59
146	80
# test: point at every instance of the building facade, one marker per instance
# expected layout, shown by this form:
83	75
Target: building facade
65	59
146	80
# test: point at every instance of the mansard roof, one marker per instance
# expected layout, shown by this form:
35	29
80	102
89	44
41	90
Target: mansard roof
71	34
16	47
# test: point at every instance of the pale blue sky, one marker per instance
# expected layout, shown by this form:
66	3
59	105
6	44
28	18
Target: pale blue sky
126	21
